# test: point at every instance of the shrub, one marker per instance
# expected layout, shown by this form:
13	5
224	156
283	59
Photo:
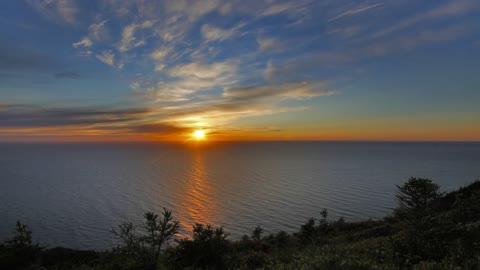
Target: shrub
19	250
144	248
257	233
207	249
416	194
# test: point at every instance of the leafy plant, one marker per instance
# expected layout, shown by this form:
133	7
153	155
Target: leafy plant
417	193
146	247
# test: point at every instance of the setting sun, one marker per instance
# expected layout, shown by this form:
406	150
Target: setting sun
199	134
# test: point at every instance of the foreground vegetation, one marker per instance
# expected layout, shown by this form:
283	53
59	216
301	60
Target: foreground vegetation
428	230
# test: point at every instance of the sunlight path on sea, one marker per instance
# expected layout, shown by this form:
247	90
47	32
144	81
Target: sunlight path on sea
196	199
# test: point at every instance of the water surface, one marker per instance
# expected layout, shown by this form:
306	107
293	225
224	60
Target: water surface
72	194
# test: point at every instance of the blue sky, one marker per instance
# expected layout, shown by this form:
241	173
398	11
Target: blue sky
158	70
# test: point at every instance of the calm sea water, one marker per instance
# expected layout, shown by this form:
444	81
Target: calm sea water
71	195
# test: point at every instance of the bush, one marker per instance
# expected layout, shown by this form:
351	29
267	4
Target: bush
19	251
207	249
257	233
416	194
143	248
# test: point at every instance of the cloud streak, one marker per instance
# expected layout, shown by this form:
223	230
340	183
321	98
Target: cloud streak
17	58
354	11
452	8
56	10
18	115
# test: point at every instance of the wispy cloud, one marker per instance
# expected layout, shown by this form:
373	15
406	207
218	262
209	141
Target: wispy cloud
188	79
25	115
18	58
107	57
27	120
192	10
129	39
56	10
356	10
84	42
269	43
301	90
452	8
98	31
212	33
411	41
159	56
278	8
241	102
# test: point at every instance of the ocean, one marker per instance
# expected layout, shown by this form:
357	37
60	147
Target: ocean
72	195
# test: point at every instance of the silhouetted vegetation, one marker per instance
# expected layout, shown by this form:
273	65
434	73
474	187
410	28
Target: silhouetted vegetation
428	230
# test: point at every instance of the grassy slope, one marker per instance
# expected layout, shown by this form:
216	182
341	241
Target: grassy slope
446	236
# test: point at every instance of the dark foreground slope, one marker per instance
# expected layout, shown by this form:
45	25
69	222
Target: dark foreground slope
428	230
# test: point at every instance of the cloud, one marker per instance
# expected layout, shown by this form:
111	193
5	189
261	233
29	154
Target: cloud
55	10
347	31
17	58
85	42
35	116
278	8
128	36
356	10
211	33
129	39
159	55
98	31
240	102
67	74
269	44
300	90
452	8
188	79
192	10
203	71
411	41
307	64
120	8
107	57
157	128
23	120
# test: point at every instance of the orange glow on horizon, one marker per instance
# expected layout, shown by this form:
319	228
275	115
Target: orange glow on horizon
124	134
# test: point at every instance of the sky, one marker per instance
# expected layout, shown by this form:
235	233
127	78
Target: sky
154	70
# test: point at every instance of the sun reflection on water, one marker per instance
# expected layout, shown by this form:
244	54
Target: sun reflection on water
198	203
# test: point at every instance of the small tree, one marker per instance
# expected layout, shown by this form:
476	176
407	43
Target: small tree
159	231
206	250
308	232
418	239
22	237
324	214
147	245
417	193
19	250
257	233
